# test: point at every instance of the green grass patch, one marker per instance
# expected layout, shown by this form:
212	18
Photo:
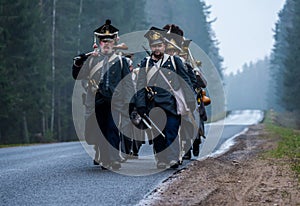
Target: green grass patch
15	145
288	145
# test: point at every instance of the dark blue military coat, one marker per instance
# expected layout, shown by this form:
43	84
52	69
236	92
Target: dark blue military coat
106	80
177	77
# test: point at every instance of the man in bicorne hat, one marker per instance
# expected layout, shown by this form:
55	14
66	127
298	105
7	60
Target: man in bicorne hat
174	36
104	70
178	45
199	84
150	79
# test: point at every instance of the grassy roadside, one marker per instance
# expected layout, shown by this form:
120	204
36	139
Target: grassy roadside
289	142
17	145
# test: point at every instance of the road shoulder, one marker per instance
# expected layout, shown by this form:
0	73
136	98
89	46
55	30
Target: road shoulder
242	176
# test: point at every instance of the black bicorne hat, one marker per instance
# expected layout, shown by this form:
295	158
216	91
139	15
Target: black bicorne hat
173	29
106	31
175	36
155	35
185	46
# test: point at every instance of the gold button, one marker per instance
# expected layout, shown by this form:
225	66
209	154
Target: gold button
169	73
170	81
169	65
154	84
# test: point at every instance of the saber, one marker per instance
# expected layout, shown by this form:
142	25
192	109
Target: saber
192	59
87	54
146	51
177	47
146	123
155	126
196	69
121	46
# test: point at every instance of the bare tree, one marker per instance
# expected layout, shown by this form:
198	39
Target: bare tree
53	67
79	26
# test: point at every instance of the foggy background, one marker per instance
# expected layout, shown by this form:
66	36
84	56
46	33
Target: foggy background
38	40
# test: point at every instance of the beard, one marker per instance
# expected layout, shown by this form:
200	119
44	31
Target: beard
107	50
158	56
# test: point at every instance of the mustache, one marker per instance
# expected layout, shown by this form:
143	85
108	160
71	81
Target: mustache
158	56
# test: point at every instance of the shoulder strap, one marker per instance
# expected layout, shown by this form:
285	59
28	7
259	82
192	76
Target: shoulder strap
100	64
173	62
166	80
121	61
150	72
154	69
147	64
165	58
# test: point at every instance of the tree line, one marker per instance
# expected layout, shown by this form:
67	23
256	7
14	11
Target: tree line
249	87
285	60
38	40
273	83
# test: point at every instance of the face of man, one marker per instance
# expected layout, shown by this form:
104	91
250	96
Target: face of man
158	49
107	46
172	52
184	56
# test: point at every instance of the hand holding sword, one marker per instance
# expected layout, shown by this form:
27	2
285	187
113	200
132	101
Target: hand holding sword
147	119
142	116
83	56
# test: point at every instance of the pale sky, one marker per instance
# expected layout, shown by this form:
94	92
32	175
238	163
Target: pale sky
244	29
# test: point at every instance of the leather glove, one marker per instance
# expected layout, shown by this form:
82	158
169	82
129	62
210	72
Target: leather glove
142	111
135	118
80	59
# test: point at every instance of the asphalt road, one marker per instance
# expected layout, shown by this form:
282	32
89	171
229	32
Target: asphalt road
63	174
